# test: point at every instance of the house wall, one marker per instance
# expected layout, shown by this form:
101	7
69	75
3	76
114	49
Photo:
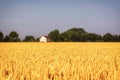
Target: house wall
43	39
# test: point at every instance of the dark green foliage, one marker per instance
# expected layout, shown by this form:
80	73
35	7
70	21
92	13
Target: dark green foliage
78	30
94	37
13	37
37	40
29	39
108	37
54	36
80	35
6	39
74	35
1	36
116	38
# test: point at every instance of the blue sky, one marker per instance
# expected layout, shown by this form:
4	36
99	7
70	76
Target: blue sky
39	17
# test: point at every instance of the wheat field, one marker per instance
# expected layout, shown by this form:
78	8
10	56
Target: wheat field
59	61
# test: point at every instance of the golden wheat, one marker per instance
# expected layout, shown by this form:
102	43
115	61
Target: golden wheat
59	61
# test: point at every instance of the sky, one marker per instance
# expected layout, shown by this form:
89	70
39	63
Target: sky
39	17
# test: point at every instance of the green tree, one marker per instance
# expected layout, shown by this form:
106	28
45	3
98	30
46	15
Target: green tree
74	35
71	36
64	36
93	37
1	36
54	36
78	30
119	38
6	39
29	39
14	36
108	37
37	39
116	38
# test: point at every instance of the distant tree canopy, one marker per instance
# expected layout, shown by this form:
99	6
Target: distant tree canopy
14	36
93	37
1	36
111	38
108	37
29	39
37	39
6	39
71	35
74	35
54	36
80	35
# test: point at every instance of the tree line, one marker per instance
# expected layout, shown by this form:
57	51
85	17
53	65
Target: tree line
71	35
80	35
13	36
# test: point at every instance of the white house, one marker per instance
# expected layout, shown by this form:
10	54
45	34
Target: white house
43	39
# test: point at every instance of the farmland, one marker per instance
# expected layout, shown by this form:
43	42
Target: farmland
59	61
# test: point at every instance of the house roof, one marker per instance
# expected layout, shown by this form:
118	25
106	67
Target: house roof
44	36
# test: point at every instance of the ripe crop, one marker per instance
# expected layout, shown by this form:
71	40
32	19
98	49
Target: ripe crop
59	61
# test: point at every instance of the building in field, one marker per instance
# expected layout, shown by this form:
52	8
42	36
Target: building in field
43	39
